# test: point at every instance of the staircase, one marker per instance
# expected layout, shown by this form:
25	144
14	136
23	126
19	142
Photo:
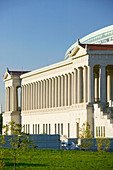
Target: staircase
103	116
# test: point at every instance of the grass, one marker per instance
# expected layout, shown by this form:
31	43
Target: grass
61	159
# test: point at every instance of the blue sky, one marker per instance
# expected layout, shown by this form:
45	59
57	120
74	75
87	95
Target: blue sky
37	33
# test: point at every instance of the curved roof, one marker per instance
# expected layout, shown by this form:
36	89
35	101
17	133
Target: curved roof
102	36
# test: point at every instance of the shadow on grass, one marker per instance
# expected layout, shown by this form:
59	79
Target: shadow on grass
24	164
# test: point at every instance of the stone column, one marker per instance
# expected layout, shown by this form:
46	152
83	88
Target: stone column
72	88
47	93
75	87
85	84
14	98
50	93
62	90
102	84
96	80
36	103
79	85
56	92
90	85
69	89
29	96
109	82
44	94
59	91
39	95
53	92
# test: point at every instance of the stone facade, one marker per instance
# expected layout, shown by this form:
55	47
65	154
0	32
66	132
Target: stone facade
59	98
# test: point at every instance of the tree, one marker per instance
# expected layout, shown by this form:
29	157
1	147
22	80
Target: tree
103	144
2	150
19	141
86	135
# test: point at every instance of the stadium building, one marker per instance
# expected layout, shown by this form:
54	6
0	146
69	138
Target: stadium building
59	98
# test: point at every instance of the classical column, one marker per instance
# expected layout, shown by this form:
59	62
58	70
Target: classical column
72	88
56	92
50	93
47	93
14	98
102	84
66	90
109	82
62	90
85	84
96	91
39	95
69	89
75	87
53	92
36	103
29	96
79	85
90	85
59	91
44	94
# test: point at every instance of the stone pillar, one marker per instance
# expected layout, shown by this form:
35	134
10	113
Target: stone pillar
85	84
44	94
50	93
69	89
79	85
66	90
72	88
39	94
75	86
53	92
59	91
47	93
62	90
36	103
56	92
102	84
96	89
90	85
31	96
14	98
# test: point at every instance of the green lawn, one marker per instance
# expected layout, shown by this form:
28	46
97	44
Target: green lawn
60	159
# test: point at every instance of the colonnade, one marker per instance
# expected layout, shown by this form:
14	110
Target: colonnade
58	91
86	84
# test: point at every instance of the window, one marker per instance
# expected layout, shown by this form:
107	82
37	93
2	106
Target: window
38	129
49	129
61	128
43	128
68	130
46	128
55	128
24	128
28	128
35	128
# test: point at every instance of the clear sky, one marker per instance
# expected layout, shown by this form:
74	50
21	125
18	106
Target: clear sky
37	33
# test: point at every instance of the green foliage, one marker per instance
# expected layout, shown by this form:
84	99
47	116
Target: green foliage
86	135
2	142
103	144
19	141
